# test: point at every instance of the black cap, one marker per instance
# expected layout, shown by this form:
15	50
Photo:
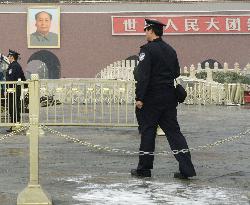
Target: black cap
153	23
13	53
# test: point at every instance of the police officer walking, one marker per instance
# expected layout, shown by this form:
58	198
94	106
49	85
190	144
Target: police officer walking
156	102
14	72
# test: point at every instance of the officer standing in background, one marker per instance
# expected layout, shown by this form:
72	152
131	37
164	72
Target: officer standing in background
156	102
1	79
14	72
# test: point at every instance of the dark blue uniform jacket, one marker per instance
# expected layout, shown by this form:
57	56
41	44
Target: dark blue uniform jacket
158	67
14	72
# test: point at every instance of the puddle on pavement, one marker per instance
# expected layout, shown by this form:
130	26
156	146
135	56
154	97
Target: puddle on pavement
143	192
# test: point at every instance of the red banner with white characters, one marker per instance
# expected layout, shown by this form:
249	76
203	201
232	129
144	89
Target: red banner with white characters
179	25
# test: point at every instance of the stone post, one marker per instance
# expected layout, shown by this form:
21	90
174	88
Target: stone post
209	73
119	74
115	70
185	70
124	70
248	69
225	68
199	67
236	67
238	94
130	71
207	66
216	67
188	95
233	92
192	72
109	71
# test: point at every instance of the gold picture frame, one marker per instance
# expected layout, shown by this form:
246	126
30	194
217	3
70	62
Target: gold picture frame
43	27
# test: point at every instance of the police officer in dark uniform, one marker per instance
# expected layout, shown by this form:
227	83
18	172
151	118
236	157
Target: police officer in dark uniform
156	102
14	72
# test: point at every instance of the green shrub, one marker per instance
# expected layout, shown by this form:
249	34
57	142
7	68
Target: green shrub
201	75
228	77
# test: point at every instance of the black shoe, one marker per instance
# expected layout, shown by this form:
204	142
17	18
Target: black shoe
141	173
178	175
9	130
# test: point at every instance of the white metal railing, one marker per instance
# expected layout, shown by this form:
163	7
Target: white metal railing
204	93
13	95
123	70
199	91
101	102
88	102
236	68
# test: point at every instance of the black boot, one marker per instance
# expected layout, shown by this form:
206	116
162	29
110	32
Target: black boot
141	172
179	175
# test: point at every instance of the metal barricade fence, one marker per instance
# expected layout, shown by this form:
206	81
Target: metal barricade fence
97	102
208	93
14	103
91	102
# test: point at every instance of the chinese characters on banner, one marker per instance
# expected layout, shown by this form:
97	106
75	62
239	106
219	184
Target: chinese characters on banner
134	25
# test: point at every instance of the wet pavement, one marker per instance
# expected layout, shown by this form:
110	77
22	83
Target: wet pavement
74	174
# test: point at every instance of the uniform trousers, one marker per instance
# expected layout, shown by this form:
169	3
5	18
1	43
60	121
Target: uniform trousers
160	109
14	107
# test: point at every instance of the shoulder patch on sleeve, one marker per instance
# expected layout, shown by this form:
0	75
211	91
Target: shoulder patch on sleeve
141	56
